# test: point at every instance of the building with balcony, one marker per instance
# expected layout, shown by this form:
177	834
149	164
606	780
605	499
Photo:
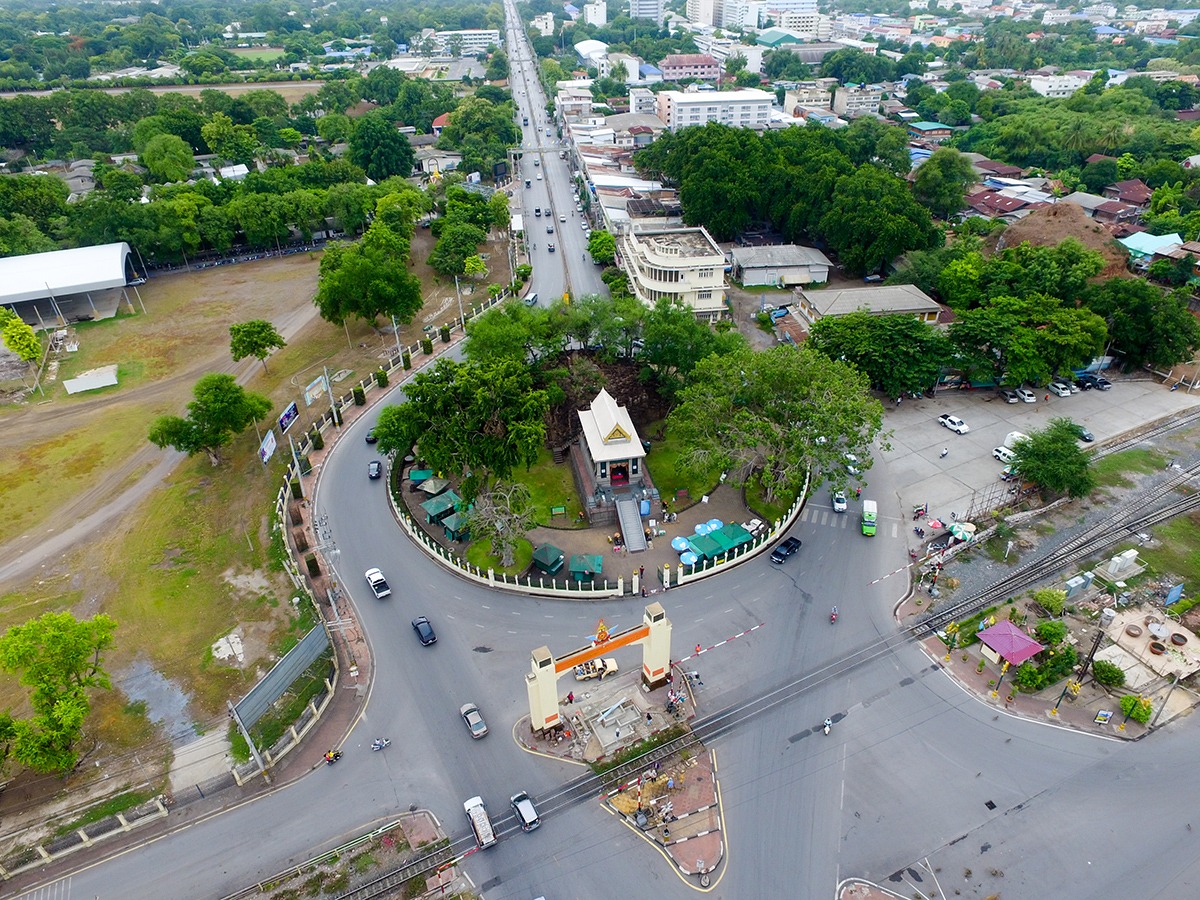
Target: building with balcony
647	9
469	41
595	13
683	264
748	108
854	100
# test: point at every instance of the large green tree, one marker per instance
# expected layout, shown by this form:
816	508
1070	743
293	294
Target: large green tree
872	219
1148	326
782	413
942	182
369	278
674	341
603	247
379	149
255	338
484	420
168	158
221	409
1052	459
898	354
1031	338
60	658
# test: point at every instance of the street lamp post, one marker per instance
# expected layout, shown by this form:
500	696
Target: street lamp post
457	293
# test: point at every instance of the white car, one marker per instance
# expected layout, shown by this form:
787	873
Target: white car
852	464
379	585
1026	395
954	423
1058	389
839	501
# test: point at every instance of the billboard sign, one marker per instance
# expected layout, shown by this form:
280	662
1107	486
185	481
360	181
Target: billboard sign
267	448
290	415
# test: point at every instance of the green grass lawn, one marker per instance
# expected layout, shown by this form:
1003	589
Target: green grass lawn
551	485
768	511
479	553
258	54
1113	471
663	463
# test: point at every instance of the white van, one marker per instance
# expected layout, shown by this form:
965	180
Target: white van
1004	455
1010	440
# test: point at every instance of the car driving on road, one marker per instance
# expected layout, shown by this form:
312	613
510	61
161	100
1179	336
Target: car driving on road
785	549
374	469
473	719
839	501
379	586
424	631
954	423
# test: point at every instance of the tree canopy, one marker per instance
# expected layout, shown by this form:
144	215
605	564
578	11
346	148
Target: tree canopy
255	338
483	420
942	181
781	413
60	658
379	149
898	354
1052	458
221	410
1148	326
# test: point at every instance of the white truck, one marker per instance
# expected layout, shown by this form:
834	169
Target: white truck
596	668
477	815
378	583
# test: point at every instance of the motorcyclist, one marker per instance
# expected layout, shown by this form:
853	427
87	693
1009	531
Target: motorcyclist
828	725
833	615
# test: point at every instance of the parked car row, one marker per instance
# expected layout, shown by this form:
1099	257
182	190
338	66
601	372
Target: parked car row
1059	387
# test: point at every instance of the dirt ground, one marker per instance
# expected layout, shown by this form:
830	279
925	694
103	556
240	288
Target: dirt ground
1048	226
290	90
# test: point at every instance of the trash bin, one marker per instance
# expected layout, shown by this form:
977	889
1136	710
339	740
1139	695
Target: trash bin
644	508
1106	616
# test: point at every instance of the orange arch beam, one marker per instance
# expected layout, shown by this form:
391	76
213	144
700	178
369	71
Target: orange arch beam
614	642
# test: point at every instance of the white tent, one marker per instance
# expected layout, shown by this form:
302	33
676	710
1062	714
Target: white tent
62	272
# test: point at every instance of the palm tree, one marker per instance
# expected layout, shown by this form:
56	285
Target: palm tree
1077	137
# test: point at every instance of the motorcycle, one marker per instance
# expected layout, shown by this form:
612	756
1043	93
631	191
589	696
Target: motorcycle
380	743
833	616
332	756
828	725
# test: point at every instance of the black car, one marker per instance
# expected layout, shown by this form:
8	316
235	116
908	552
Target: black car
374	469
371	436
1087	381
784	550
424	631
1082	433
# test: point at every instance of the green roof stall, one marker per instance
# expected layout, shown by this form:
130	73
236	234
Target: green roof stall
549	558
586	566
441	506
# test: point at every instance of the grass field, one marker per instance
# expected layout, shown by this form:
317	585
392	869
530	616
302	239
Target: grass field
1178	552
1113	471
551	485
258	54
663	464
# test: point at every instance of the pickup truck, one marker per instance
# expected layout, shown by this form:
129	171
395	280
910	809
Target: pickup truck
379	586
485	835
597	668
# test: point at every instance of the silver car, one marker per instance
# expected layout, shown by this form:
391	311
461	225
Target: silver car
473	719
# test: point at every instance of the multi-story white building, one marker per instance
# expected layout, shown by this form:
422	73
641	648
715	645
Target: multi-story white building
544	24
857	99
809	24
595	13
471	40
775	7
811	93
683	264
643	102
631	63
742	13
647	9
704	12
748	108
1056	85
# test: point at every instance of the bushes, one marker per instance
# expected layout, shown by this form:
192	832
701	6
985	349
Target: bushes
381	378
1058	662
314	567
360	396
1051	633
1051	600
316	438
297	493
444	334
406	360
426	346
1107	674
1136	708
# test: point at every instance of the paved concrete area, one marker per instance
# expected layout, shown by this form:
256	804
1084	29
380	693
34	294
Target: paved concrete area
969	474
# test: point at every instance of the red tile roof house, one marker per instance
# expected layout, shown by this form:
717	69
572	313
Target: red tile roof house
1135	192
690	65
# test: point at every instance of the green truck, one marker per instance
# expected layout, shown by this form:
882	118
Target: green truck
870	513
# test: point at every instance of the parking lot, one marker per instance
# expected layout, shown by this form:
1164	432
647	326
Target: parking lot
968	472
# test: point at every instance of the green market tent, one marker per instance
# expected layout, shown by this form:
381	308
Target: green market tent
737	534
724	541
586	566
704	546
416	476
548	558
441	506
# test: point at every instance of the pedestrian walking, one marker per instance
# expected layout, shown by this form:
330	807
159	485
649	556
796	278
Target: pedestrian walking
1047	398
571	697
647	717
641	571
697	648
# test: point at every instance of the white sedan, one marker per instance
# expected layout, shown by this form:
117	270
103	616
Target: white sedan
1026	395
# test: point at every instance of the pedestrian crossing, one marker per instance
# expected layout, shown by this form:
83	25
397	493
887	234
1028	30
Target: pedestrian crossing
847	521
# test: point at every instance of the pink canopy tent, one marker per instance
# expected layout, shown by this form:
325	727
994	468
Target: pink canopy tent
1010	642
